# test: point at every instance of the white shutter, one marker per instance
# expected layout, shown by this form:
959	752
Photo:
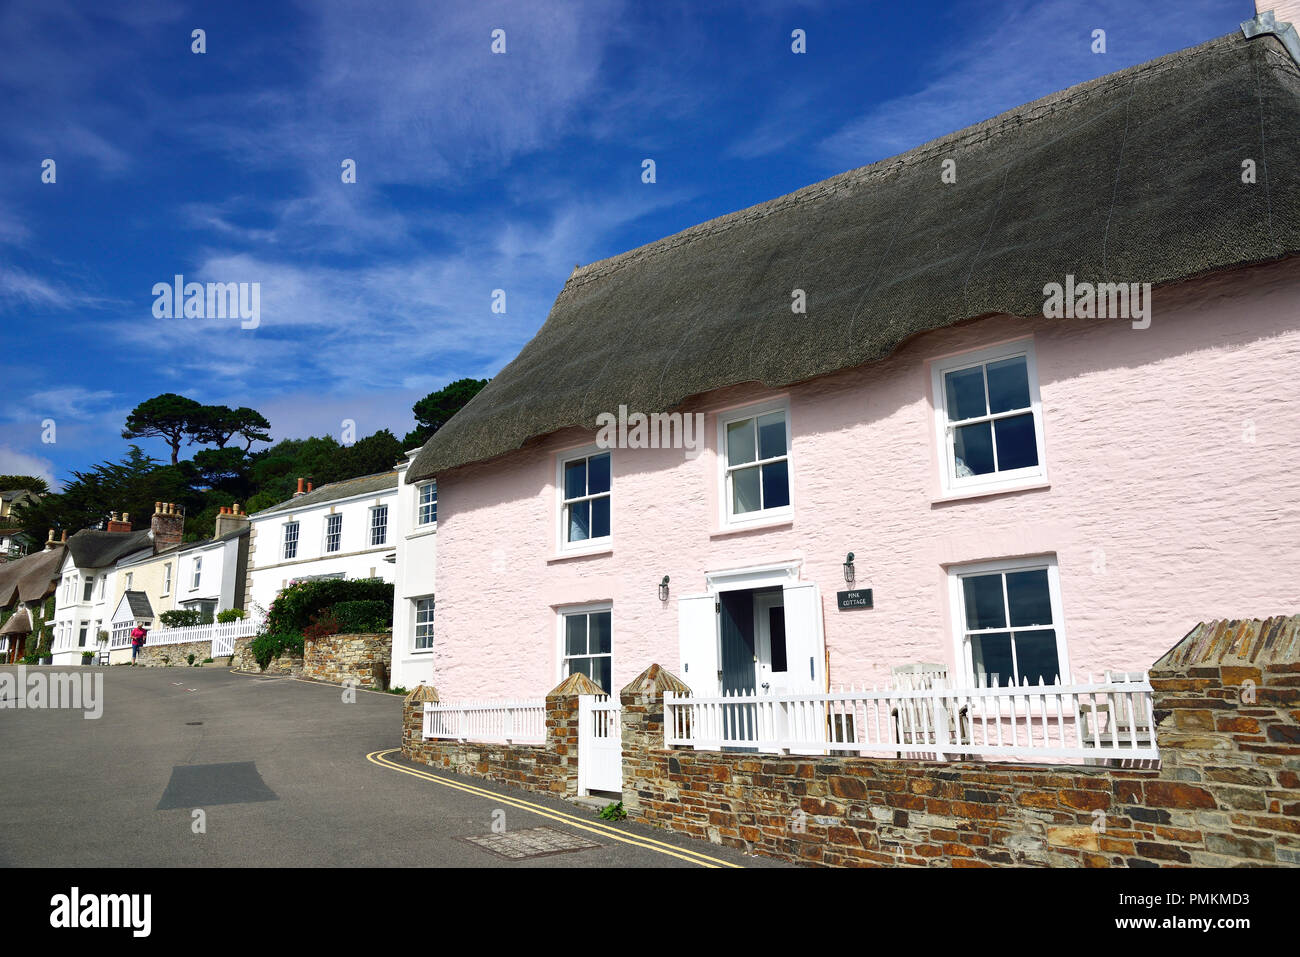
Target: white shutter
697	637
805	640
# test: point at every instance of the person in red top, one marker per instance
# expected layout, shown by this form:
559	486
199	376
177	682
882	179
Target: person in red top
137	641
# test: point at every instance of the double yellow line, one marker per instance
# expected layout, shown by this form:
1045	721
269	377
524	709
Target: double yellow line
604	830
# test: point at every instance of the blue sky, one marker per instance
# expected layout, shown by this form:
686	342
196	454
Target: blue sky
475	171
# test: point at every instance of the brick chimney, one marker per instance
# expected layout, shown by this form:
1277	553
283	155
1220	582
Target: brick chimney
231	518
116	524
166	525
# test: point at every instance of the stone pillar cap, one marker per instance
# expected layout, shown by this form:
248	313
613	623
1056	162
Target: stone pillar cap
656	680
422	693
576	683
1234	642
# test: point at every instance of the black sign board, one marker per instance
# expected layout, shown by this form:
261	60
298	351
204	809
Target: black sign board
849	600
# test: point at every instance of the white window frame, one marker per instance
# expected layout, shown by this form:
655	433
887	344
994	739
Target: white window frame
416	624
325	542
990	482
562	657
285	541
197	578
763	516
375	512
167	578
421	505
103	582
88	591
130	580
561	517
957	606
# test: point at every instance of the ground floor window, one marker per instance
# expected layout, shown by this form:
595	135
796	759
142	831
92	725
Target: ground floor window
588	645
1010	624
121	637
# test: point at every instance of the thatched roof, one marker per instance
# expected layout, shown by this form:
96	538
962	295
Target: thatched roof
95	548
19	623
31	577
1134	177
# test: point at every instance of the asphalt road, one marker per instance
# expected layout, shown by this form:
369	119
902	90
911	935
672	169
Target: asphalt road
286	774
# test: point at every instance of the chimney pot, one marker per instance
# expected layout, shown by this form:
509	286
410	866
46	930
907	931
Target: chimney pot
65	535
309	485
299	486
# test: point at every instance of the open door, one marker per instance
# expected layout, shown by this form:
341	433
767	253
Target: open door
697	638
805	639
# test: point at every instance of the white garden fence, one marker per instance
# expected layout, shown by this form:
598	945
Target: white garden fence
514	721
222	635
1111	720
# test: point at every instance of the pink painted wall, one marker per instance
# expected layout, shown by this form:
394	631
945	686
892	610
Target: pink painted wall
1162	510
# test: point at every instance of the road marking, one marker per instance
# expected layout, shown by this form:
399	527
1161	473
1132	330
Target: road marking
650	844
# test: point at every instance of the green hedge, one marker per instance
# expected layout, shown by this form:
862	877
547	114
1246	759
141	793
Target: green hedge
181	618
296	605
276	645
360	617
231	614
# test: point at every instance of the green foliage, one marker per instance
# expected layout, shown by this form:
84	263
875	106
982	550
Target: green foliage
435	409
87	657
362	617
170	417
190	657
31	483
296	605
276	645
399	690
375	453
613	812
231	614
181	618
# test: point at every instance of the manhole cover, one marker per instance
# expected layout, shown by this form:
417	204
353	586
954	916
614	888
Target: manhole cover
531	842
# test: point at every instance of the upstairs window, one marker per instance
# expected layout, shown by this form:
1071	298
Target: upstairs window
756	462
290	540
428	503
198	573
585	503
990	419
89	591
378	525
167	578
333	532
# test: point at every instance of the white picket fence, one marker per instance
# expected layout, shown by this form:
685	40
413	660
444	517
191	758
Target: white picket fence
600	744
513	721
1111	720
222	635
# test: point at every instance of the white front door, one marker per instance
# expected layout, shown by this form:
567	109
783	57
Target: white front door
697	633
773	676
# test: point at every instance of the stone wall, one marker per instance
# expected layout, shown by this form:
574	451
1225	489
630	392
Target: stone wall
337	658
151	656
243	660
1227	703
550	768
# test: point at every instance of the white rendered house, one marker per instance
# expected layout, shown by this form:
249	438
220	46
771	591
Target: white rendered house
341	530
416	534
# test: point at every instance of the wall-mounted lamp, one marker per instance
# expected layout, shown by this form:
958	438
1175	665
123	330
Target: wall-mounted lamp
663	589
848	569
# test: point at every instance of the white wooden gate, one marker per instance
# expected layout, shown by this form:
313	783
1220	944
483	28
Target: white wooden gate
600	745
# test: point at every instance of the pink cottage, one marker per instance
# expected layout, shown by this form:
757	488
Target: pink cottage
1017	404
